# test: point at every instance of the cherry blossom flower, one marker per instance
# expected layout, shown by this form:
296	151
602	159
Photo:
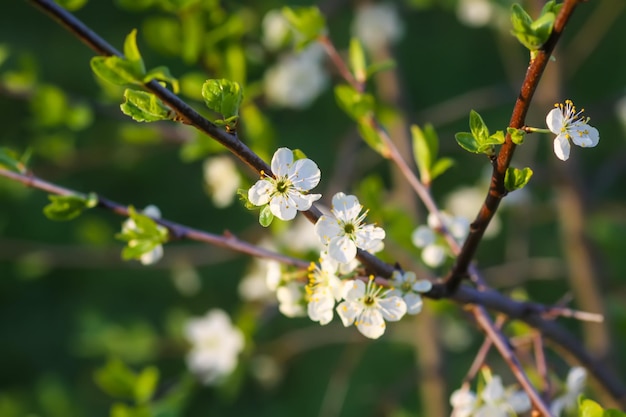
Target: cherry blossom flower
463	402
407	286
291	299
368	306
434	248
324	289
221	179
377	25
288	191
570	125
215	346
343	230
498	402
574	386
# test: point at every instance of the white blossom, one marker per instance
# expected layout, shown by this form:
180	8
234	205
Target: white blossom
464	203
570	125
498	402
407	286
343	231
215	346
475	13
291	299
324	289
288	191
297	79
574	386
377	25
221	179
463	402
153	256
261	281
276	30
368	306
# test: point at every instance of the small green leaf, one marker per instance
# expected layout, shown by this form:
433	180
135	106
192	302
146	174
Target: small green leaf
68	207
357	60
116	379
589	408
517	135
478	127
381	66
467	141
441	166
533	34
515	179
371	136
116	70
10	160
298	154
243	196
145	107
131	52
495	139
142	235
266	217
223	97
162	74
71	5
356	105
425	149
146	384
308	22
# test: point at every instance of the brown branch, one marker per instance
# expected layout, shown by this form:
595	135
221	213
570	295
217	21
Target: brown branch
503	160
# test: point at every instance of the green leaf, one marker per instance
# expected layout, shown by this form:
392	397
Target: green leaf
266	217
298	154
468	142
356	105
116	379
162	74
223	97
515	179
71	5
517	135
10	160
49	106
146	384
425	149
533	34
478	127
142	235
145	107
308	22
131	52
243	196
441	166
357	60
115	70
495	139
68	207
381	66
371	136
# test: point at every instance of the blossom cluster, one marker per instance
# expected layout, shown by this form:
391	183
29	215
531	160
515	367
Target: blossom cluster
337	284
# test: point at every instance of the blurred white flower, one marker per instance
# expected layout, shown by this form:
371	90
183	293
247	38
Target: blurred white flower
475	13
300	237
221	179
377	25
324	289
276	30
368	306
297	79
569	125
291	299
261	281
574	386
465	202
215	346
463	402
153	256
434	248
498	402
407	286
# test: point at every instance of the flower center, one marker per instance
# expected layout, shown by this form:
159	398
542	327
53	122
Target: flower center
349	228
282	185
406	286
369	300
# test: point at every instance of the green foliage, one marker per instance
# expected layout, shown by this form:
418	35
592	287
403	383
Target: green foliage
515	179
357	60
308	22
355	104
145	107
517	135
162	74
425	150
142	235
590	408
52	109
533	33
12	160
121	382
71	5
479	140
266	216
68	207
223	97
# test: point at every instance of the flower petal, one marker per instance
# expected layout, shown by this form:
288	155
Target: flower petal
342	249
304	174
561	147
281	161
346	207
392	308
259	194
422	236
555	121
327	227
371	324
433	255
283	207
423	285
303	202
414	303
348	312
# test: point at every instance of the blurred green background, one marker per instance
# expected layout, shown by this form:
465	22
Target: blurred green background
68	303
